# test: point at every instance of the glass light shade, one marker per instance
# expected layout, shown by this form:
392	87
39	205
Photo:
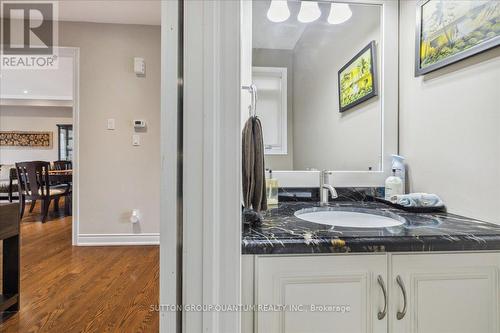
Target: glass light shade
309	12
339	13
278	11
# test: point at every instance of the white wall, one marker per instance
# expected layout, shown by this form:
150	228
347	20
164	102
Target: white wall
450	127
32	118
116	177
323	137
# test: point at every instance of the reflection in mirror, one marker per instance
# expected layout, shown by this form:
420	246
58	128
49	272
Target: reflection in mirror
296	70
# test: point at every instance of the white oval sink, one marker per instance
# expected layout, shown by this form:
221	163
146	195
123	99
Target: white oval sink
350	218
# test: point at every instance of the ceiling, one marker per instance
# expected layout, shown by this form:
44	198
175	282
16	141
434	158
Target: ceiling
146	12
286	35
270	35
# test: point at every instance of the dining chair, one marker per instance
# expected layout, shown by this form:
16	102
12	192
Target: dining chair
34	184
7	181
12	180
62	165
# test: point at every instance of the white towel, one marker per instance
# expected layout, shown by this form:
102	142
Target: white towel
417	200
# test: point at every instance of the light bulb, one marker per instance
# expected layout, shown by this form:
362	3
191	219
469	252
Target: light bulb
339	13
278	11
309	12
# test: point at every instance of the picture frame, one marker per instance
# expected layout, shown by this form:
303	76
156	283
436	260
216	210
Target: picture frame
449	31
357	80
26	139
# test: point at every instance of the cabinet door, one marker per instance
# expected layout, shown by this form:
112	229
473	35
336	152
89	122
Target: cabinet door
349	282
445	293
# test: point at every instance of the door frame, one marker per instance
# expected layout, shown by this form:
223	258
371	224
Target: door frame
200	230
74	53
76	146
171	162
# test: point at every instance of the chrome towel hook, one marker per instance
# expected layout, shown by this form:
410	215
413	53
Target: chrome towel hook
252	110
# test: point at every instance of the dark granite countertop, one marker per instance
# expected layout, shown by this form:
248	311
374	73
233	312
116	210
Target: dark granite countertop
284	233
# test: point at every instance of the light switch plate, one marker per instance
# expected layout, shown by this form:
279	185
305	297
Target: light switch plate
111	124
139	66
136	140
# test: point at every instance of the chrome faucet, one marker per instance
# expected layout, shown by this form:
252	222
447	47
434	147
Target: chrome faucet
324	188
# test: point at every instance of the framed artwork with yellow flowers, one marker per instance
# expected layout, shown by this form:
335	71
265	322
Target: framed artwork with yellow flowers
448	31
358	78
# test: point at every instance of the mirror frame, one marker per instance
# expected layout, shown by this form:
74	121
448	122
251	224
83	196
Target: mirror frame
389	97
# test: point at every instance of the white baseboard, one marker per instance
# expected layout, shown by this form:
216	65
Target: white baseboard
118	239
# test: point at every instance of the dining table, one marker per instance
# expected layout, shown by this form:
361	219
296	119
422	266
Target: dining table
61	176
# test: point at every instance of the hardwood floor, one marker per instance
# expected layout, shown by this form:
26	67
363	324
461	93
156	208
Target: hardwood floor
67	289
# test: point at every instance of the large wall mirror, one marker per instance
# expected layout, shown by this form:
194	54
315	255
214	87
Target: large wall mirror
326	75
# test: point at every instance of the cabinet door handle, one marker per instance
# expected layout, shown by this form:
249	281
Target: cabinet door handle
381	314
401	314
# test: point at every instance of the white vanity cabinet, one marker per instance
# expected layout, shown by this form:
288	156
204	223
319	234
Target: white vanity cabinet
444	292
321	280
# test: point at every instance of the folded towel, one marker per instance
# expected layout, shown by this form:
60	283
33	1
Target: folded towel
253	169
417	200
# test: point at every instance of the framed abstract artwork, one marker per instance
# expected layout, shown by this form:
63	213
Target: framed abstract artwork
448	31
26	139
358	78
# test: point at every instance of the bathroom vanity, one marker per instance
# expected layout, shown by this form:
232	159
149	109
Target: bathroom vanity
432	273
383	269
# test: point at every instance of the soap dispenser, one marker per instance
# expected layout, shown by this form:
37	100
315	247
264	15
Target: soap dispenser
393	186
271	189
398	163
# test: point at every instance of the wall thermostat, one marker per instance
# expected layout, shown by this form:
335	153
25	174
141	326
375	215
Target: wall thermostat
139	123
139	66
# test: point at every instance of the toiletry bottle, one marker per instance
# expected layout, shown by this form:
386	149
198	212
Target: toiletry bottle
271	189
393	186
398	163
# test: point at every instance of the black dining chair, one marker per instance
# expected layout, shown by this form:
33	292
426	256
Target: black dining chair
62	165
34	184
12	180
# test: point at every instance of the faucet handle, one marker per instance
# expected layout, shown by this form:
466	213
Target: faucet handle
325	174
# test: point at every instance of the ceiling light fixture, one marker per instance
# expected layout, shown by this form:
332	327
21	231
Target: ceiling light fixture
339	13
278	11
309	12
